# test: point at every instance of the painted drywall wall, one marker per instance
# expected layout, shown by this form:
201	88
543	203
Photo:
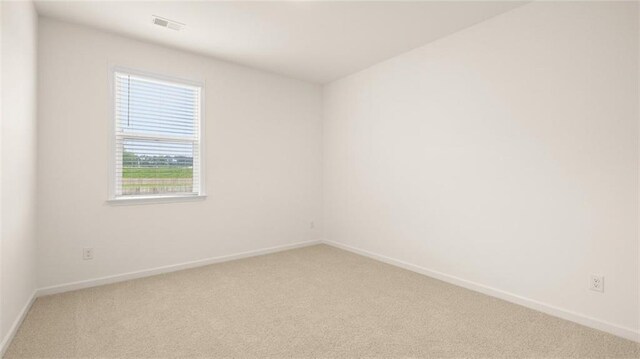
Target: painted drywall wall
2	336
262	160
505	154
18	162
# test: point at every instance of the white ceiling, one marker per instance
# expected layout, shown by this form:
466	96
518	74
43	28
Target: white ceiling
317	41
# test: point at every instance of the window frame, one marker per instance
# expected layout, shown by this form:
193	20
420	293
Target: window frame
162	198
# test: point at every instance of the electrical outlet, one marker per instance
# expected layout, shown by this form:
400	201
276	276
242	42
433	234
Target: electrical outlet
87	253
596	283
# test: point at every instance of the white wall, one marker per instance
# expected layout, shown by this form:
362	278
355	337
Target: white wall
18	162
505	154
2	334
263	152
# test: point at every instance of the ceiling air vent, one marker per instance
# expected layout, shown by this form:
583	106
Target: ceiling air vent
170	24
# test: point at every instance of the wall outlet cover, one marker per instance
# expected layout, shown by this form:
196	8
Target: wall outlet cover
87	253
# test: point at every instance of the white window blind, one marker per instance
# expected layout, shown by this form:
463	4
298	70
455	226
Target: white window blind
157	137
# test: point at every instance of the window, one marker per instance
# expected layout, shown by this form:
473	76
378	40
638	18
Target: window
157	138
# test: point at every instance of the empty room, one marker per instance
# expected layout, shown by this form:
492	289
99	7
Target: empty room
319	179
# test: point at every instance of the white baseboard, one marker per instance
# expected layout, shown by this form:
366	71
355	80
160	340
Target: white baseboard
582	319
67	287
4	345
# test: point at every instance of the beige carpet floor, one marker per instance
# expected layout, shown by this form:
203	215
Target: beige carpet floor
314	302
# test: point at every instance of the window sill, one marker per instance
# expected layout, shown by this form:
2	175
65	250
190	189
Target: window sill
124	201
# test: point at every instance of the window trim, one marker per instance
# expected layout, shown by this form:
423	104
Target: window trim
168	198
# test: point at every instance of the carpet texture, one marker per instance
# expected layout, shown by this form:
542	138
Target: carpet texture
306	303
